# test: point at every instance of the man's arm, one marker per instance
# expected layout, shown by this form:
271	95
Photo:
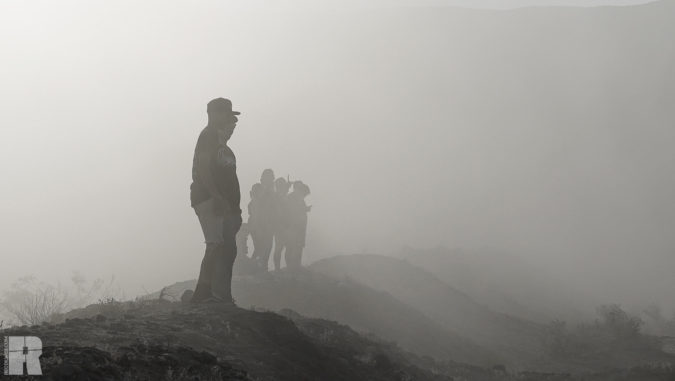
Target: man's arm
206	178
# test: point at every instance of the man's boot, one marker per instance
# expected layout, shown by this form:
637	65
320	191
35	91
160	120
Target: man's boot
203	289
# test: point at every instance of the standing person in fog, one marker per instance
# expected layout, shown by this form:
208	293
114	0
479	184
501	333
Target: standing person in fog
297	224
254	216
215	197
264	220
281	218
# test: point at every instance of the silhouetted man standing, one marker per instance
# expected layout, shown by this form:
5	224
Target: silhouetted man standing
297	225
281	188
264	220
215	197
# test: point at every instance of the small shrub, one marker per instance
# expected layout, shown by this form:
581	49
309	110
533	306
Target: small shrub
617	321
32	302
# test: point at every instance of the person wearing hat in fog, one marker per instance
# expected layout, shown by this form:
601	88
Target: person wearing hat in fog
297	225
215	197
263	229
254	215
281	187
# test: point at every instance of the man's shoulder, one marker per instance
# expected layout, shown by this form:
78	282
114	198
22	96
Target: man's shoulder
207	140
207	133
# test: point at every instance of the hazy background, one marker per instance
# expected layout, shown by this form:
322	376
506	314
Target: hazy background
545	134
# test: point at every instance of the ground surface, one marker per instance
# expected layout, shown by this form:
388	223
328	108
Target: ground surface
165	341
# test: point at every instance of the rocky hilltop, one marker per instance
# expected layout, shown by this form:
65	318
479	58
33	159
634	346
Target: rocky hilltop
160	340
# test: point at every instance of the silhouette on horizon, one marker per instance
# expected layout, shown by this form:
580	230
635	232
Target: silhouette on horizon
215	197
277	220
261	220
281	188
297	224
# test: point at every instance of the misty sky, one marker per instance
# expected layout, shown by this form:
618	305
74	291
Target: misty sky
489	4
102	103
530	3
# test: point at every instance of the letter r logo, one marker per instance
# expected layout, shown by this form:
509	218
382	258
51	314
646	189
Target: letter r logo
21	350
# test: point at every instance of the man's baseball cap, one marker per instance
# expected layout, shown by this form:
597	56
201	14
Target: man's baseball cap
221	105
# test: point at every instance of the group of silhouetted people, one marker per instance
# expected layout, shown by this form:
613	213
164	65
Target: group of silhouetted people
277	220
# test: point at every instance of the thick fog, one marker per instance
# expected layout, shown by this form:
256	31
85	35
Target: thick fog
543	133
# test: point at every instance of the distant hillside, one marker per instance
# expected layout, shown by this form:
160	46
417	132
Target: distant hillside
516	340
523	344
505	283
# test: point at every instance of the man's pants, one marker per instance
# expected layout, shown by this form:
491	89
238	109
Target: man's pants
215	276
